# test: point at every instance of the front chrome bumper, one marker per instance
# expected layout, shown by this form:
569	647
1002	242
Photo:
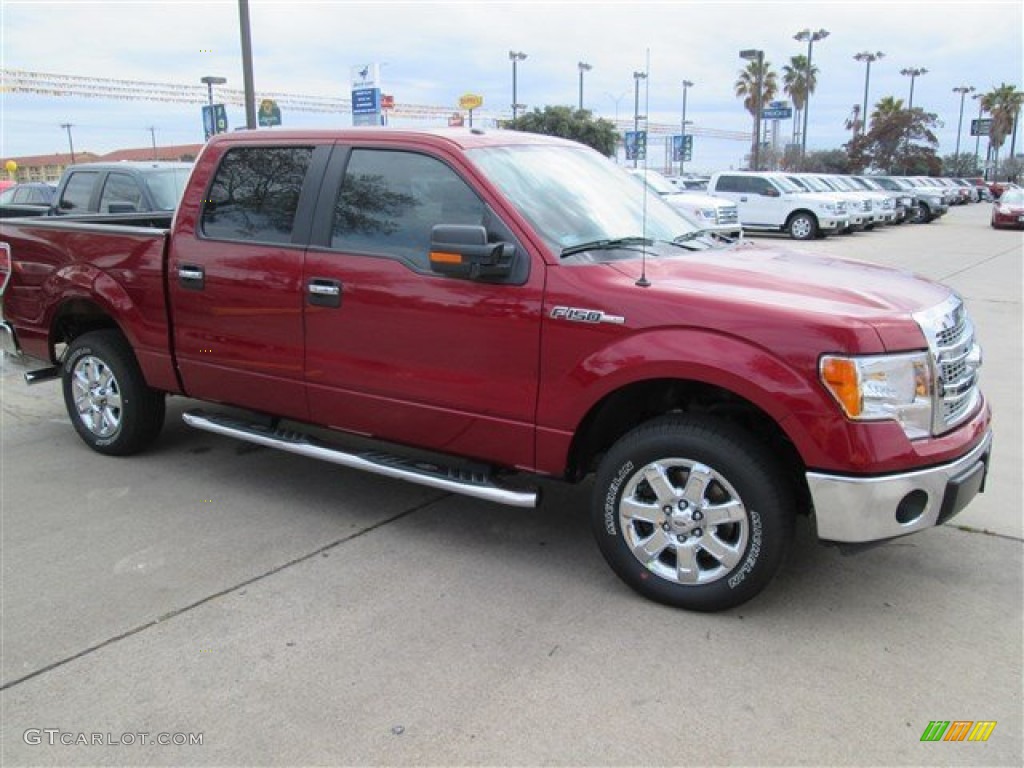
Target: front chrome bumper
862	509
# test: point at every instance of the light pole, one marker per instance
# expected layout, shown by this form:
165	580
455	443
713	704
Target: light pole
868	57
67	127
687	84
152	133
637	77
913	73
963	90
753	54
805	35
977	140
210	81
515	57
583	67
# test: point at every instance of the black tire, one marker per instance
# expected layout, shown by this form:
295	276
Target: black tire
110	405
924	214
802	226
703	565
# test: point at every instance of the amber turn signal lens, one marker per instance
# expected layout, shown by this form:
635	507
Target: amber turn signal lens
841	377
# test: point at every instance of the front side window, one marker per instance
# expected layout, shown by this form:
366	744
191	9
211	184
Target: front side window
77	192
255	194
122	192
390	201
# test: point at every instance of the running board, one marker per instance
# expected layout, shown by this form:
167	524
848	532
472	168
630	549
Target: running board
469	481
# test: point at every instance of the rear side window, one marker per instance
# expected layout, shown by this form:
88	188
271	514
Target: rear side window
390	201
728	184
121	192
78	192
255	194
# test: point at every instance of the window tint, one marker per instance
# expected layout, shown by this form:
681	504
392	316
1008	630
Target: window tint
77	192
729	184
122	191
390	201
255	194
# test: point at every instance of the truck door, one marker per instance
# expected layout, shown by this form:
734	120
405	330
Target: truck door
397	351
236	286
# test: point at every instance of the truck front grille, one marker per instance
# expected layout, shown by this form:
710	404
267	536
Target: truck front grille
956	357
728	214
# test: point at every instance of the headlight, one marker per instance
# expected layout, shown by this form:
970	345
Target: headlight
881	387
706	213
830	207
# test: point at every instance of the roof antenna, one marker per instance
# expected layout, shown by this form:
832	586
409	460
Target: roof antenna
643	282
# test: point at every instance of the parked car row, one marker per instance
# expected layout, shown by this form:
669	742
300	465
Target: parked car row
126	187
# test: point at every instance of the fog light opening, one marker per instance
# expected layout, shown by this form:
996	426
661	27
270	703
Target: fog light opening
911	507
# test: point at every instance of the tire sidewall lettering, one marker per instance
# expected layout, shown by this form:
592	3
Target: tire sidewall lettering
753	551
611	499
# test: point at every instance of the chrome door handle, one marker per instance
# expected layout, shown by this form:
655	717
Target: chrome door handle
324	292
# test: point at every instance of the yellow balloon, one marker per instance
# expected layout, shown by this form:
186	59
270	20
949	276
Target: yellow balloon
11	166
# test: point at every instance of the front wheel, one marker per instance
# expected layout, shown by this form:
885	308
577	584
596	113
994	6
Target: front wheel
111	407
692	512
803	226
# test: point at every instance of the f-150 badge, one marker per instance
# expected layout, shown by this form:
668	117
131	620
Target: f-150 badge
577	315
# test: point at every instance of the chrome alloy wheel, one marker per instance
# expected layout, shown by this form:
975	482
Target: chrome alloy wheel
97	396
801	228
683	521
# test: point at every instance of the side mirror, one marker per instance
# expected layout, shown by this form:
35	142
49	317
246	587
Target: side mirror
458	250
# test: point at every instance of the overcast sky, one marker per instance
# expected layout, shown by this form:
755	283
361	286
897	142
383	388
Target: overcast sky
434	52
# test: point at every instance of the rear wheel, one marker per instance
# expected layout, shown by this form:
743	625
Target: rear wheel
692	512
803	226
110	405
924	214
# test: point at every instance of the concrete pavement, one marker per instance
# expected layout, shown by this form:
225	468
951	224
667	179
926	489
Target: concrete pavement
291	612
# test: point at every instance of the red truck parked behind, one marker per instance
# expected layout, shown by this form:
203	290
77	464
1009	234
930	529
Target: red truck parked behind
512	303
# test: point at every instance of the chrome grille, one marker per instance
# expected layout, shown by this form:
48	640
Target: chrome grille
840	206
956	358
727	214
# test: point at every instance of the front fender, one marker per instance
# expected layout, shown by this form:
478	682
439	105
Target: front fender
792	397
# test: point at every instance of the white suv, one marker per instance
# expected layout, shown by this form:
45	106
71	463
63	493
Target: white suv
714	214
772	203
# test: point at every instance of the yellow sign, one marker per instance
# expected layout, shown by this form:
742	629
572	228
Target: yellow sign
471	101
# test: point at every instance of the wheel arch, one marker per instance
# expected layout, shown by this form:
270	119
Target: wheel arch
627	407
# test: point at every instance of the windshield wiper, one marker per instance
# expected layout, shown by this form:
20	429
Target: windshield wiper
605	245
690	236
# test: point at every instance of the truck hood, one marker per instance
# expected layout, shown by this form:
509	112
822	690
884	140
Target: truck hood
809	287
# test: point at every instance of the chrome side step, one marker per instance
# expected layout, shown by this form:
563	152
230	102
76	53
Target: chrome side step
472	481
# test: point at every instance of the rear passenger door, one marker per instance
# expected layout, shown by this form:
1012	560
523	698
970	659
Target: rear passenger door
236	287
397	351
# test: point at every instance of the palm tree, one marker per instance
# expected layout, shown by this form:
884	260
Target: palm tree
746	87
799	82
885	108
1003	103
853	121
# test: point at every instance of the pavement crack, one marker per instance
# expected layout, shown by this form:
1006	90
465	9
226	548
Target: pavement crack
976	264
222	593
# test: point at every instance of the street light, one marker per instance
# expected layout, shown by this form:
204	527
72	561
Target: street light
805	35
687	84
71	144
963	90
637	77
211	81
868	57
583	67
515	57
977	141
913	73
753	54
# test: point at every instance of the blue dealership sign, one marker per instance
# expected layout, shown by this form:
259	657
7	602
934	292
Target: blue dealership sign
215	119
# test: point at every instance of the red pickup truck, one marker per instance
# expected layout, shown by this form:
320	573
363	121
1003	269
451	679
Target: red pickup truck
512	304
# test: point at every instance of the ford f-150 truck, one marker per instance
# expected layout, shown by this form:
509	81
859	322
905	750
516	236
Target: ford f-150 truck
490	304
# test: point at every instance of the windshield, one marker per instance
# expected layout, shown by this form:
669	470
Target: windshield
657	182
167	187
785	184
816	184
573	195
